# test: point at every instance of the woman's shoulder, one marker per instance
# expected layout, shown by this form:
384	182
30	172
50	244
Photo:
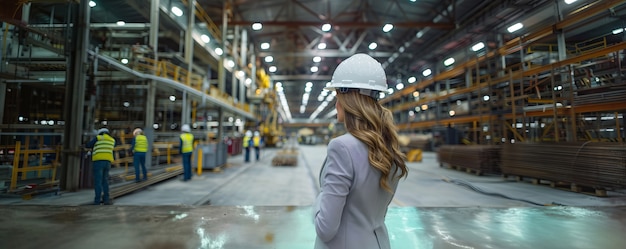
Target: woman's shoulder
345	139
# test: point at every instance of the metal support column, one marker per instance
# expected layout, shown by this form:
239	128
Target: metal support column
244	63
185	110
189	47
501	57
221	71
74	106
3	99
235	86
220	126
253	77
151	92
91	106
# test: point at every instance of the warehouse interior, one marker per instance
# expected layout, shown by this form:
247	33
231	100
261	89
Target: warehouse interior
513	91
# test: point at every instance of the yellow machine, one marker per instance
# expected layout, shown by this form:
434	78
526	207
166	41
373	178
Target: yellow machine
266	97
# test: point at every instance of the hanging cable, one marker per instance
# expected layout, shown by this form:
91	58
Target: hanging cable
472	187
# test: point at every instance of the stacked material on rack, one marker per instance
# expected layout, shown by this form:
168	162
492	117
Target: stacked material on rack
590	164
600	95
410	142
481	159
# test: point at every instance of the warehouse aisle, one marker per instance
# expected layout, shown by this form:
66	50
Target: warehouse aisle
260	184
428	185
256	205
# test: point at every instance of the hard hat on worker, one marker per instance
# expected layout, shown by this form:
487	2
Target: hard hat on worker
248	133
256	134
185	128
362	72
137	131
102	131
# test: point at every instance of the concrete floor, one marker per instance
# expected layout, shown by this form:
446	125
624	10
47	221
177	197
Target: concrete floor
256	205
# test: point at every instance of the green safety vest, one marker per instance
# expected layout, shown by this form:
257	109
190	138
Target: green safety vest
246	141
257	141
103	149
187	145
141	144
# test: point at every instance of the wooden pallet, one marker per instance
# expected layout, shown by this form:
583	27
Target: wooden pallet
467	170
566	186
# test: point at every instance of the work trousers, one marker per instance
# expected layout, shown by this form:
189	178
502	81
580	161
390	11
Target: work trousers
187	166
139	161
101	181
247	154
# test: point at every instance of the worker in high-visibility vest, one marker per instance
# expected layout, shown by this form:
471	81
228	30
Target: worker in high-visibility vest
257	141
186	148
247	140
139	147
102	156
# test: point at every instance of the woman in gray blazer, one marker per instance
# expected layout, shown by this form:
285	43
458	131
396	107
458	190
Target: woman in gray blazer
362	168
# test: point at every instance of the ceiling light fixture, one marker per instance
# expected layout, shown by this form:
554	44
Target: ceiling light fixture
269	58
177	11
515	27
326	27
448	62
121	23
205	38
230	63
388	27
219	51
273	69
317	59
570	1
372	46
92	4
265	45
321	46
478	46
427	72
257	26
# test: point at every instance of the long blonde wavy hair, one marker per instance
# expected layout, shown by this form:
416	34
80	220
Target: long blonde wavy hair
373	124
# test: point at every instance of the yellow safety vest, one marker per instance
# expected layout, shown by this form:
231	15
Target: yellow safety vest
141	144
187	145
257	141
246	141
103	149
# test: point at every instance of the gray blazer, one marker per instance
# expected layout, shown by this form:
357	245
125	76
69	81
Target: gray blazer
350	210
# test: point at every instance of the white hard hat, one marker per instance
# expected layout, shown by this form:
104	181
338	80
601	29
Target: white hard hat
248	133
103	130
185	128
256	133
137	131
360	71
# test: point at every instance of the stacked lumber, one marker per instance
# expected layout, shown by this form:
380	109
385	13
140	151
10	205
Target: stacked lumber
591	164
481	159
600	97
